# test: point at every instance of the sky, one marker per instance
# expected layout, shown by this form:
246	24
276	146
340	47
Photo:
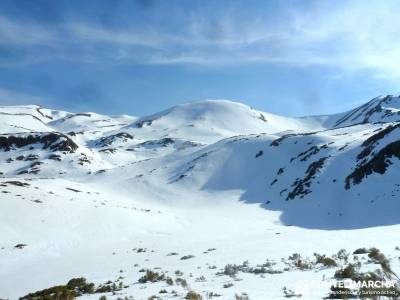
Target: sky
138	57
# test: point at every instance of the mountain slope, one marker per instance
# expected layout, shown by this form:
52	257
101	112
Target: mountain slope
379	109
221	145
318	180
208	121
193	192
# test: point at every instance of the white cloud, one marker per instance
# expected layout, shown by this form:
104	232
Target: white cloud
90	33
17	33
349	35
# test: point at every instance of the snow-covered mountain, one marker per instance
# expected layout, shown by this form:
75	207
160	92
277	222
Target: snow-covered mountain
106	196
380	109
210	120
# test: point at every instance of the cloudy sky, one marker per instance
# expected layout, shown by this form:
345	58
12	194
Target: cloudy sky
141	56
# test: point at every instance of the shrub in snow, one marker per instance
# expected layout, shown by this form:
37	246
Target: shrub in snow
243	296
360	251
191	295
298	262
350	271
231	270
74	288
376	256
169	281
187	257
324	260
182	282
289	293
151	276
81	286
342	255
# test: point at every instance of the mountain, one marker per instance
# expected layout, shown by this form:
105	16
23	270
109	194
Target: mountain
380	109
317	180
195	188
210	120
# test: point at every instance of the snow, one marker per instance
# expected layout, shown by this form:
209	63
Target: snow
210	179
211	120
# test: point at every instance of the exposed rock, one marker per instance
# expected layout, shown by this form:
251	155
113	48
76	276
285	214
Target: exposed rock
377	164
108	140
259	153
54	141
370	143
20	246
301	186
55	157
164	142
16	183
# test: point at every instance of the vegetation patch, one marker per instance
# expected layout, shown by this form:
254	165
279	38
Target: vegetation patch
74	288
151	276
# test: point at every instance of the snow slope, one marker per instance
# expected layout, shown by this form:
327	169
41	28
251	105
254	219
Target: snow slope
210	120
194	188
379	109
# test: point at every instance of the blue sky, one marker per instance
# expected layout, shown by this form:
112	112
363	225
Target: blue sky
139	57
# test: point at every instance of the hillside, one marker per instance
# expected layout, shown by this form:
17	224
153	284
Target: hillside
190	190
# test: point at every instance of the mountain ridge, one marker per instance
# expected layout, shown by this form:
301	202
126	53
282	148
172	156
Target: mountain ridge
90	194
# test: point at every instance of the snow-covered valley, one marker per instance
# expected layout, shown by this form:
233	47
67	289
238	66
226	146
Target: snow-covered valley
209	199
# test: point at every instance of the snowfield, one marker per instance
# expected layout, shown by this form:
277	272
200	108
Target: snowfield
210	199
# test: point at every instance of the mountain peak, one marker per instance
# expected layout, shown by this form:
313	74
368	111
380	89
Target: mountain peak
379	109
